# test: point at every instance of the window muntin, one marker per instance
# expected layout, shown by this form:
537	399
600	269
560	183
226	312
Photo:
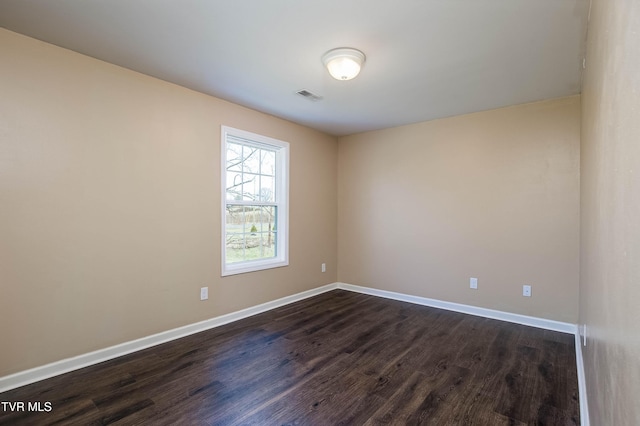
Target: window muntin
255	202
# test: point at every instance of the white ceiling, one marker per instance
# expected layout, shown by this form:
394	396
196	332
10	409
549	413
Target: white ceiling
426	59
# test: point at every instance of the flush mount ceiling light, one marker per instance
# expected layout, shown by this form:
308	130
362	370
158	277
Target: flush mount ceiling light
343	63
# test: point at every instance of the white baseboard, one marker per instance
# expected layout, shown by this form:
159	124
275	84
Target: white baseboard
563	327
582	383
69	364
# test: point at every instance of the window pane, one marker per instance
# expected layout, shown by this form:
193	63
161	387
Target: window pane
268	224
234	157
252	216
251	163
268	217
235	237
234	186
234	247
268	160
267	189
234	219
250	233
250	187
269	246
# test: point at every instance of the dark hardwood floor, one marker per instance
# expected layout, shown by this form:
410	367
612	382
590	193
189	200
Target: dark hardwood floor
337	358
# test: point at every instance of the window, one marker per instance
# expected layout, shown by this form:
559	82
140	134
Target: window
255	192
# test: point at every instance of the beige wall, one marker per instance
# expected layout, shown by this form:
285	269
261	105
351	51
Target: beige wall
610	209
492	195
110	205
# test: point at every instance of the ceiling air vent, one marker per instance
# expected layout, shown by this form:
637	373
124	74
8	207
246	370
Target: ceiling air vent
307	94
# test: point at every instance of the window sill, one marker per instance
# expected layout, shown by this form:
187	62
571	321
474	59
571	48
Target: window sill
252	266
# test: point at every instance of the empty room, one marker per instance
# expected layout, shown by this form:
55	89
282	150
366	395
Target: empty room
320	213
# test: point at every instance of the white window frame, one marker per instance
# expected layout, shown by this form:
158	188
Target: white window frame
282	201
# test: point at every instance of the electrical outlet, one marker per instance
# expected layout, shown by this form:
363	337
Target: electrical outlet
324	267
473	283
526	290
204	293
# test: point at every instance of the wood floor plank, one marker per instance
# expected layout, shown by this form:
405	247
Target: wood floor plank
336	358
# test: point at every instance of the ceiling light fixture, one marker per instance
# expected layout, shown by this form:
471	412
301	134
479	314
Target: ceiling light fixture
343	63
